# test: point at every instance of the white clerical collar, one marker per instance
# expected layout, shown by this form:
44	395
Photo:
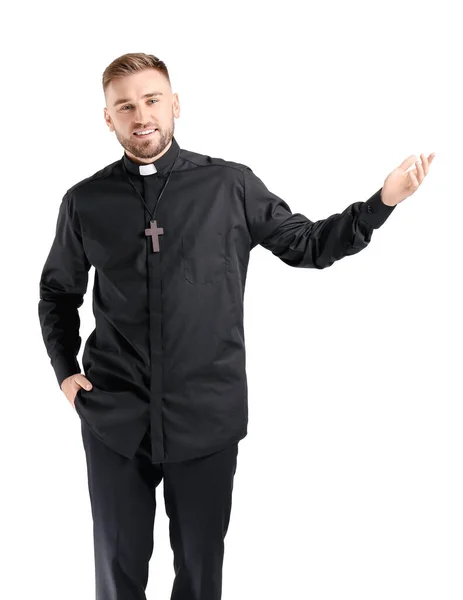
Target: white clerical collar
147	169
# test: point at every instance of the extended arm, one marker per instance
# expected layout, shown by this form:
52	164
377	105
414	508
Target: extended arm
299	242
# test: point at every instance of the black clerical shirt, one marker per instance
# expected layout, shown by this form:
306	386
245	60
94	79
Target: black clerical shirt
168	346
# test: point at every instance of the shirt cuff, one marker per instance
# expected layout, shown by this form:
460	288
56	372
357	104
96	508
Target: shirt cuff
64	366
374	212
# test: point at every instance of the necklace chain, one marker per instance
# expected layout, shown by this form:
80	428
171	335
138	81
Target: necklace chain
162	191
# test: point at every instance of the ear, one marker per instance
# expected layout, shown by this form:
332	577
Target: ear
107	118
176	106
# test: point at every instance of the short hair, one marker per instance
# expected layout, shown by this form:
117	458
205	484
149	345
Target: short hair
130	63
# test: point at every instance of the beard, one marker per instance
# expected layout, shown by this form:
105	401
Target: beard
150	148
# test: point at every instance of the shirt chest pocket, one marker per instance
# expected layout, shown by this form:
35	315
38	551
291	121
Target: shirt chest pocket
203	257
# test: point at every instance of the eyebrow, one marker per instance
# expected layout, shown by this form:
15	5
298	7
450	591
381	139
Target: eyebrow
124	100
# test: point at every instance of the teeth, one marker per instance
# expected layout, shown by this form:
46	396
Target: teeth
144	132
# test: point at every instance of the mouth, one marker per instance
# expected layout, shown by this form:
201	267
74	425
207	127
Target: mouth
144	133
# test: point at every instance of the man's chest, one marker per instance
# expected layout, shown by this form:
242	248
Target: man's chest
198	221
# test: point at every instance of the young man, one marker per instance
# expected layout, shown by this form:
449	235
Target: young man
164	395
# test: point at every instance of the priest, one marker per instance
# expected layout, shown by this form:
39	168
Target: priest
163	393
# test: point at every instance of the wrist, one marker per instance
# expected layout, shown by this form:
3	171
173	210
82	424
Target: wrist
386	200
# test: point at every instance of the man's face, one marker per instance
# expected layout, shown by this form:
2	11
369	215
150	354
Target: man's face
137	113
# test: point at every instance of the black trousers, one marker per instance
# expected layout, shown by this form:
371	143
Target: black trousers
198	499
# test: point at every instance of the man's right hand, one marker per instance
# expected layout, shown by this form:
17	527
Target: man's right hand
71	385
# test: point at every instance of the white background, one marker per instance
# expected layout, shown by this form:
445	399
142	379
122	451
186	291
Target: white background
349	483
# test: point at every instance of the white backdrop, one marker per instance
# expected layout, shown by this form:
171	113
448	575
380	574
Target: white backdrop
349	483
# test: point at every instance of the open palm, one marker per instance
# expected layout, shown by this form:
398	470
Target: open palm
400	183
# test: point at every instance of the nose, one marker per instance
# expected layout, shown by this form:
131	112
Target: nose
142	116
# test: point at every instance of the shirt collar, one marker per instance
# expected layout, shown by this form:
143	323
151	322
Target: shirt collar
157	166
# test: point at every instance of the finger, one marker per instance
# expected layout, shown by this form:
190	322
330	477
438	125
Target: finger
413	180
424	162
431	157
408	162
419	168
82	381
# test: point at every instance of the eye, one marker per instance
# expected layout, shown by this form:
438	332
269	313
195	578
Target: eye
151	99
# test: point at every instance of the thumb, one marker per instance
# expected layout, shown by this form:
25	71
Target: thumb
83	381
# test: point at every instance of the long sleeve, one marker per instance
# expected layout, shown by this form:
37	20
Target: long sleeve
63	284
299	242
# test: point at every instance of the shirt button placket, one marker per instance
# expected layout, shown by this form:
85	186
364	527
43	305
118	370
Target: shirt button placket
155	325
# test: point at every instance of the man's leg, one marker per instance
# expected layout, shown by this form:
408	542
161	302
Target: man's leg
198	499
122	495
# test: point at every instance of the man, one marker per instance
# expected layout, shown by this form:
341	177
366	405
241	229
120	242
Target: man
164	395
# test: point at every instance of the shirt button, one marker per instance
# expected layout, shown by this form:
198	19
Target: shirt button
369	208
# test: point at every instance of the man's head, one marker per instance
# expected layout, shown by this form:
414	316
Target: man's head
126	83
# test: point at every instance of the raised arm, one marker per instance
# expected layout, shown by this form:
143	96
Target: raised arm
63	284
299	242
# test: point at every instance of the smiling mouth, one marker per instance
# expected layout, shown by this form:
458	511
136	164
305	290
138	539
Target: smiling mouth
145	135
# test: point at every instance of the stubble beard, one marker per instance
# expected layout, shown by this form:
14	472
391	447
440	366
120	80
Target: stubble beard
150	148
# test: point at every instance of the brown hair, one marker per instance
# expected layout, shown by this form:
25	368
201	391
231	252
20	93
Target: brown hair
130	63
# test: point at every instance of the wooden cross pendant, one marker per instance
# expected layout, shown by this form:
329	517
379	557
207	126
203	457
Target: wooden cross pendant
154	231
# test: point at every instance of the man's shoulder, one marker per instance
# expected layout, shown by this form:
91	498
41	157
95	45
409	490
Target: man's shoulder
196	159
98	176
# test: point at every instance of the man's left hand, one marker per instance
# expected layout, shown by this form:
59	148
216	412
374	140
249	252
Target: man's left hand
400	184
